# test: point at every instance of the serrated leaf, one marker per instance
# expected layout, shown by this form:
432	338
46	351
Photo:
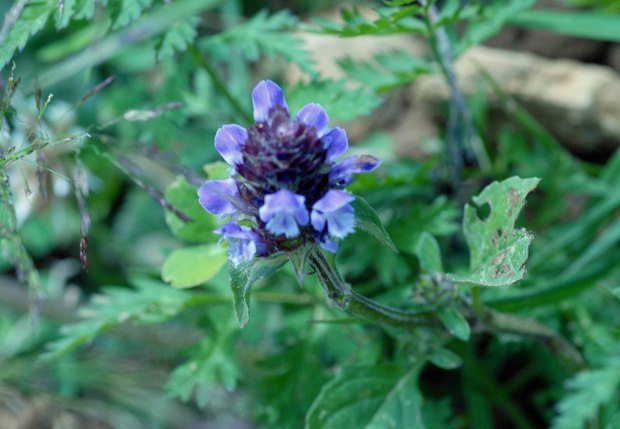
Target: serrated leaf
378	397
498	250
444	358
589	390
193	266
183	196
150	302
62	20
211	362
178	37
269	35
454	322
387	70
130	11
428	253
32	19
243	276
388	21
342	103
368	221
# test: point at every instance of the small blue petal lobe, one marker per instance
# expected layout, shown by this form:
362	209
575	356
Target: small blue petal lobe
313	115
265	96
216	196
228	142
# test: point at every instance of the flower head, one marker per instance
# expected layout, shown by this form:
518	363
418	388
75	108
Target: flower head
285	183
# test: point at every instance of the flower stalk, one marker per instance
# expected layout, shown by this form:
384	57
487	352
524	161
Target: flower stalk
340	293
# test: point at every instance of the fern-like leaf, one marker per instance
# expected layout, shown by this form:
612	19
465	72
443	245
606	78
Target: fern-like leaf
342	103
589	390
388	21
387	71
269	35
150	302
130	11
178	37
32	19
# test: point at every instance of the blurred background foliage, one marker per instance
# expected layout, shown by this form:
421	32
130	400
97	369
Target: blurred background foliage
109	110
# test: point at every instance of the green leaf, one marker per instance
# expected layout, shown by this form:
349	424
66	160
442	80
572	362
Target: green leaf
492	20
454	322
178	37
32	19
589	390
130	11
387	70
342	103
428	253
368	221
217	170
269	35
151	302
388	21
212	362
243	276
444	358
498	250
184	197
589	25
378	397
192	266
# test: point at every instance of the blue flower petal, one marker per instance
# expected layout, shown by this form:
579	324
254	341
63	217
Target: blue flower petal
328	245
313	115
341	173
283	211
216	196
336	143
228	142
265	96
341	222
334	209
244	242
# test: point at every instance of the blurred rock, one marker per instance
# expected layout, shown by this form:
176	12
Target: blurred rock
613	57
578	103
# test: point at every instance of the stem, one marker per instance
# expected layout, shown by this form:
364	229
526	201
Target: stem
219	84
477	304
531	328
460	123
341	294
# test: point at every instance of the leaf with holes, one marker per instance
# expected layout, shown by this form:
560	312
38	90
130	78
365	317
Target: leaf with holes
498	249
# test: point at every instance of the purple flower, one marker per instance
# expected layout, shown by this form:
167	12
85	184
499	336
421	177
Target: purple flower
284	178
313	115
244	242
334	210
341	174
217	196
265	97
228	142
283	211
336	143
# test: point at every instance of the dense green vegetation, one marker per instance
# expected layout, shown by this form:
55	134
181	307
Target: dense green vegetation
482	283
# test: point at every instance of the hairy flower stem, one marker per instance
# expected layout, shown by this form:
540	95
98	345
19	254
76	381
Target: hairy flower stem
341	294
